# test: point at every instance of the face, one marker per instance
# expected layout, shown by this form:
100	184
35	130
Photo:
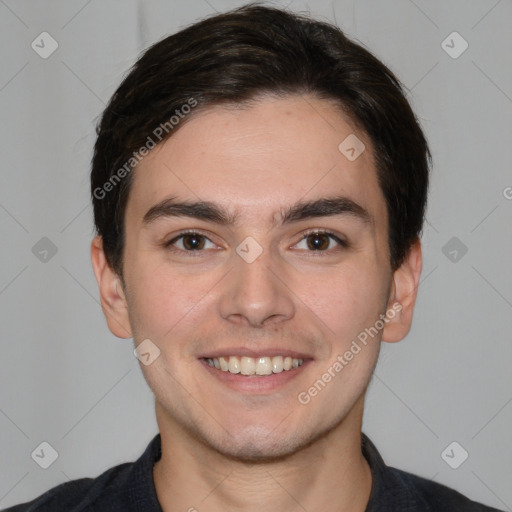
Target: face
253	243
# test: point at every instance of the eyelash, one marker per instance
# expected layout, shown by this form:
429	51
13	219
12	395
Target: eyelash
342	243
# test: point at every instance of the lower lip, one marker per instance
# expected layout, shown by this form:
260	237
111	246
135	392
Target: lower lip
255	383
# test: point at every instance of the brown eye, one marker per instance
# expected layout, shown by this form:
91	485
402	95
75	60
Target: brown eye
318	241
190	242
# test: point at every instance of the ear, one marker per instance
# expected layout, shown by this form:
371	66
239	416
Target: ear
402	298
112	295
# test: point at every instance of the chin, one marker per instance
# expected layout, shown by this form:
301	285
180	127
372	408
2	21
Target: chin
261	444
256	450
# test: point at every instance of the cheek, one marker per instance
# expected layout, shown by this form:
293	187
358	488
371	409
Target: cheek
162	299
347	300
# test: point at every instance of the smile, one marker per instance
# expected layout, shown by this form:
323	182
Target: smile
264	365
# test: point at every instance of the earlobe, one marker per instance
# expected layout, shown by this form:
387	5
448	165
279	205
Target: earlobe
404	290
112	295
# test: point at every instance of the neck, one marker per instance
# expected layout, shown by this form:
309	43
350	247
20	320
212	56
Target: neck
191	476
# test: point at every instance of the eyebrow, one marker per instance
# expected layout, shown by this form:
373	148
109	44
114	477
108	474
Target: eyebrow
302	210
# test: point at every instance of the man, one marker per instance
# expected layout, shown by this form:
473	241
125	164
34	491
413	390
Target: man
259	186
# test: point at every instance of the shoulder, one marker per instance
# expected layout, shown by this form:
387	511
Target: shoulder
397	490
80	495
437	497
127	487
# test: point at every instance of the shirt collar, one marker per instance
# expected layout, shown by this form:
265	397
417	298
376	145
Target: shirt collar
141	486
389	490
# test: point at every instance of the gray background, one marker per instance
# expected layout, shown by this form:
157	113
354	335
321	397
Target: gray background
67	381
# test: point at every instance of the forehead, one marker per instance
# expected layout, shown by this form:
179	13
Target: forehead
259	158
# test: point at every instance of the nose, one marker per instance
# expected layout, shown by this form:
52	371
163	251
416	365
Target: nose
256	293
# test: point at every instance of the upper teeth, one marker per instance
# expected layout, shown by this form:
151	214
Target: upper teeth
254	365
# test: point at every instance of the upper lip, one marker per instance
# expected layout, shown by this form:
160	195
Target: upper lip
255	353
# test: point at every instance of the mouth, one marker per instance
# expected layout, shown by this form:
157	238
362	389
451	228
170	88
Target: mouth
259	374
262	365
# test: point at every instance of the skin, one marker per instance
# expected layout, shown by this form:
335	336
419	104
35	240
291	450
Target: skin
232	449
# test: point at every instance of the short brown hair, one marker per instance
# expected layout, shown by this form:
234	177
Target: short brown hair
234	57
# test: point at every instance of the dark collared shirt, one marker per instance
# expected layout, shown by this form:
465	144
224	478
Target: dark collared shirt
130	488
